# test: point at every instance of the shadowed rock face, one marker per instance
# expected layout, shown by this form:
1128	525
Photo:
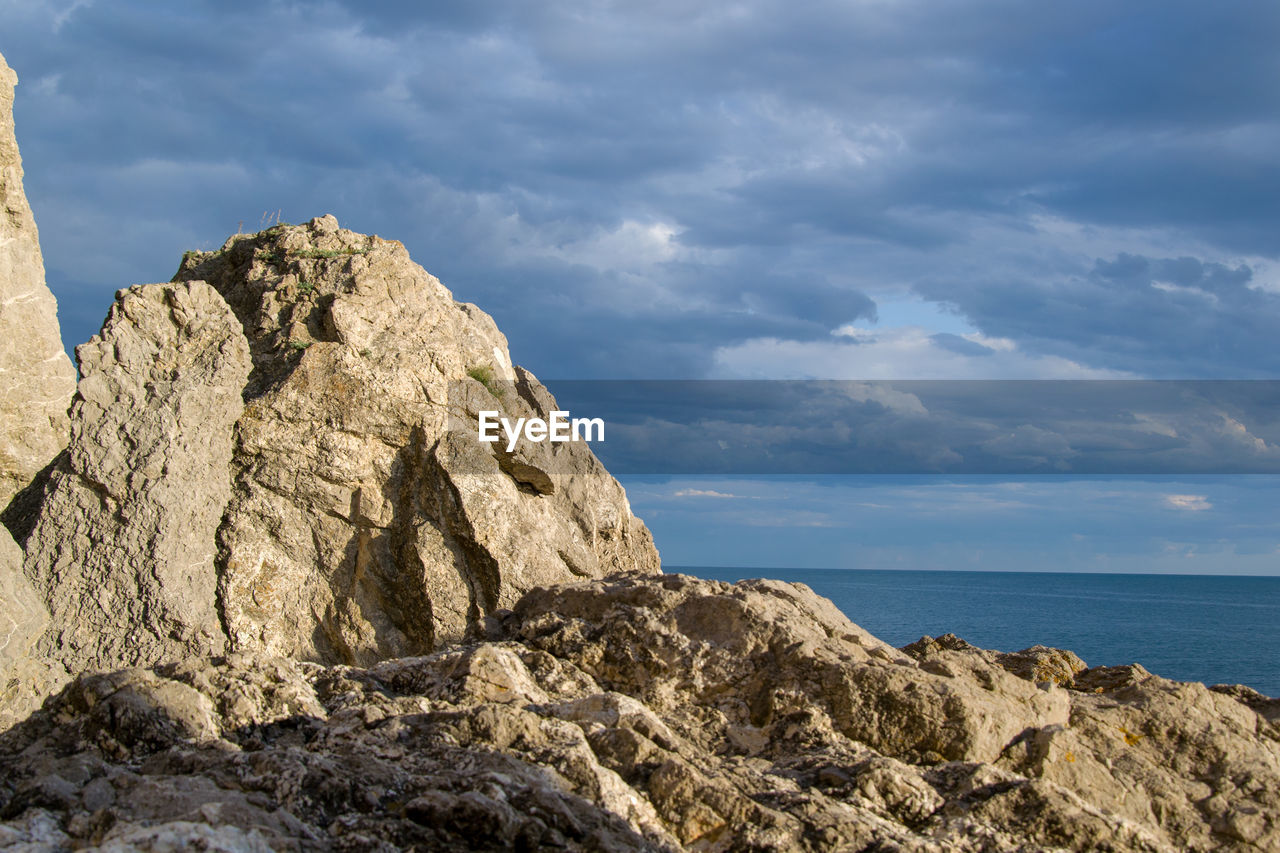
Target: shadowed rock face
36	377
648	713
23	618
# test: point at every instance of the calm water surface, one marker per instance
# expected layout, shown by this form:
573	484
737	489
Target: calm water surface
1186	627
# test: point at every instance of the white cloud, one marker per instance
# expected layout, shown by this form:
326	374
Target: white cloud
61	18
631	245
899	352
1239	433
1188	503
703	493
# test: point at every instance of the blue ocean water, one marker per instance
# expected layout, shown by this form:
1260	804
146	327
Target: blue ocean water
1219	630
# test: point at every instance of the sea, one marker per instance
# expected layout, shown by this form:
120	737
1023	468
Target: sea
1214	629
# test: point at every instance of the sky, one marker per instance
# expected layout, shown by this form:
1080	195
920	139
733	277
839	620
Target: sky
866	189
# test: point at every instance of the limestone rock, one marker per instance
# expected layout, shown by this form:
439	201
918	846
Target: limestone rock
1043	664
763	637
23	617
367	521
1268	707
1038	664
36	377
22	614
123	547
642	713
283	459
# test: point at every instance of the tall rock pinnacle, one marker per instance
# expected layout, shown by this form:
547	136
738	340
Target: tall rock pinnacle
36	377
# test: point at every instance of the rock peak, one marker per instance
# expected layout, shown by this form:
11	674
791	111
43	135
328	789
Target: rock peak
38	378
262	459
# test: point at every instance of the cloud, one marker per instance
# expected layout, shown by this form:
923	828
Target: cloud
702	493
895	352
1029	524
960	427
1188	503
675	192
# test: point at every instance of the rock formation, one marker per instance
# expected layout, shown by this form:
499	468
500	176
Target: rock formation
648	713
123	548
367	521
276	461
36	377
349	625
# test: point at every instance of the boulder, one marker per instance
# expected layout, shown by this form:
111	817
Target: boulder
36	377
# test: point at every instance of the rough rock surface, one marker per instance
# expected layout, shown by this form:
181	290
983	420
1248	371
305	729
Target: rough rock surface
36	377
23	618
367	521
284	460
643	713
123	548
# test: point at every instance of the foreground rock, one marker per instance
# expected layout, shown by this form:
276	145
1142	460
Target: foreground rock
123	548
36	377
646	713
366	520
277	453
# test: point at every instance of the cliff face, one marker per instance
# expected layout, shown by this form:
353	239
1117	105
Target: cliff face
36	383
36	377
651	713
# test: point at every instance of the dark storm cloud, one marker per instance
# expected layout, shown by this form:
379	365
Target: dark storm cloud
798	163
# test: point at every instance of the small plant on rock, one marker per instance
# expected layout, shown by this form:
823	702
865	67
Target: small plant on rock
484	375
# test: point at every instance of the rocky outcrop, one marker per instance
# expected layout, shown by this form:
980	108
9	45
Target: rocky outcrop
644	713
123	548
365	522
273	461
36	377
1038	664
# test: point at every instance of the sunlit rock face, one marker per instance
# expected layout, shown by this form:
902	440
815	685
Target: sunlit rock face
265	455
36	377
363	523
